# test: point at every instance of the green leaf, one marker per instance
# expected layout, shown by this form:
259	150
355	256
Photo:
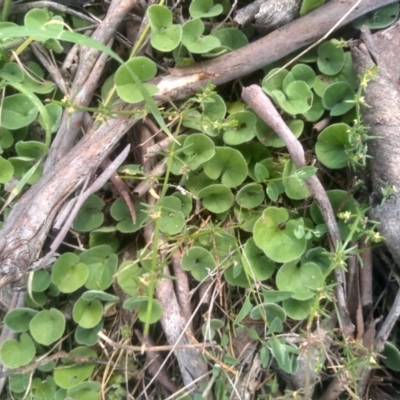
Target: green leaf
69	374
273	191
88	337
256	264
17	353
244	131
164	35
274	81
41	280
303	281
216	198
6	170
55	114
310	5
274	296
196	149
102	265
172	219
141	68
17	111
268	312
380	18
120	212
85	391
18	319
31	149
230	38
6	138
316	111
19	382
47	326
87	314
269	138
204	9
44	390
250	195
295	186
36	17
339	98
90	295
296	309
229	165
200	262
300	72
274	234
330	58
296	99
89	216
68	273
332	144
193	39
156	311
391	356
244	311
12	73
195	181
129	277
282	356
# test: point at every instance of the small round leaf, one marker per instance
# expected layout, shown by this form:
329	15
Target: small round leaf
16	353
216	198
87	314
303	281
274	233
47	326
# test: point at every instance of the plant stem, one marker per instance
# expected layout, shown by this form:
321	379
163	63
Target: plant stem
6	10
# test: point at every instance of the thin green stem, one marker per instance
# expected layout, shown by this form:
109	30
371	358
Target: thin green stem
6	10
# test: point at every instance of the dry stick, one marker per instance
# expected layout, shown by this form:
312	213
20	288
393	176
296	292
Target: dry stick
122	189
86	79
262	105
43	56
95	187
154	361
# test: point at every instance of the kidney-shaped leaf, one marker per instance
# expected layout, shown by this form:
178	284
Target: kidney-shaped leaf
71	374
164	35
244	130
68	273
216	198
274	233
89	216
302	280
227	164
330	58
87	314
199	261
204	9
127	87
268	312
193	39
250	196
257	265
296	99
47	326
16	353
198	149
332	144
17	111
339	98
18	319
